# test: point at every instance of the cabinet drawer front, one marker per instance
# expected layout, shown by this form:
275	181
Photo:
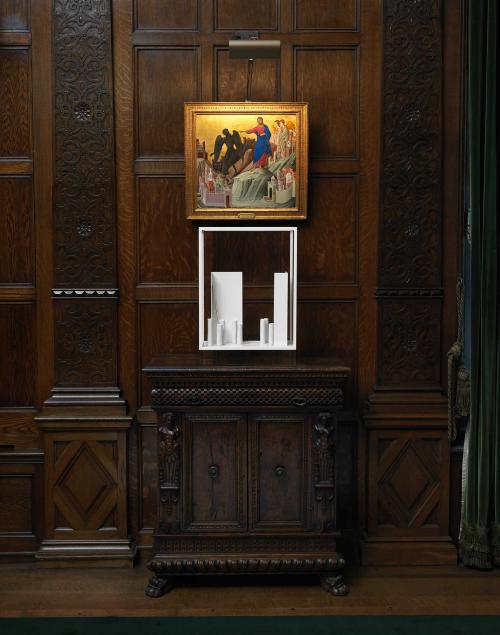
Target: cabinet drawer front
288	396
278	463
214	473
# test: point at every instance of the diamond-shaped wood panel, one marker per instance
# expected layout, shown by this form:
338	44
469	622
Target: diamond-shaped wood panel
85	487
408	482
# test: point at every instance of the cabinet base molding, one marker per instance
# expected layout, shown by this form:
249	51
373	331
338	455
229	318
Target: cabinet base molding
411	552
257	564
88	553
166	568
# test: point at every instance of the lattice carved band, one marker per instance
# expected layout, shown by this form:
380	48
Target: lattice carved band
247	396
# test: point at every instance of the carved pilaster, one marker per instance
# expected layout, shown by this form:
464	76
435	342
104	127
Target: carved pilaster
169	470
407	450
84	213
324	472
84	422
410	266
85	328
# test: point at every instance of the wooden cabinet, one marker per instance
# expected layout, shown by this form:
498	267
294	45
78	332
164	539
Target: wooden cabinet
247	471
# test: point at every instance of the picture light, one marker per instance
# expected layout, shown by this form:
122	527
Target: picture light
247	46
254	49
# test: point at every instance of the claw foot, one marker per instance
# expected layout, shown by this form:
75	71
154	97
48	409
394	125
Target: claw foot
159	586
335	585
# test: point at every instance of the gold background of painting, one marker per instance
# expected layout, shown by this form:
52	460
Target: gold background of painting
208	127
206	120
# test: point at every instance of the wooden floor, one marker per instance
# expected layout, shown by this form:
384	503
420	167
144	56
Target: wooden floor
28	591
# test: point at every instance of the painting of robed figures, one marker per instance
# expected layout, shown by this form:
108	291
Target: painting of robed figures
246	160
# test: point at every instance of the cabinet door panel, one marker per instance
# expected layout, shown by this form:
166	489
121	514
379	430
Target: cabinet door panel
278	467
215	472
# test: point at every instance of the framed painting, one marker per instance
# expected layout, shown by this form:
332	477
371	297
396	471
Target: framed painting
246	161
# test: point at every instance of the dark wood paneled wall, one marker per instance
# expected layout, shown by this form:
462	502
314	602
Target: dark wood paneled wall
99	268
23	207
330	58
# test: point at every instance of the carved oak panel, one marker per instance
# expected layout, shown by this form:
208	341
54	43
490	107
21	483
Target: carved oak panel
85	342
84	215
410	250
410	341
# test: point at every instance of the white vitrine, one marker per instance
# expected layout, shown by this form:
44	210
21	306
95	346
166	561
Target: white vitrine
222	324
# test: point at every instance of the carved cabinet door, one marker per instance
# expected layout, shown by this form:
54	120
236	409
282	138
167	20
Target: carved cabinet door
278	471
214	472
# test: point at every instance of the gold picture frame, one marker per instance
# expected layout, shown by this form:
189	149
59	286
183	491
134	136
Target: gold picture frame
246	161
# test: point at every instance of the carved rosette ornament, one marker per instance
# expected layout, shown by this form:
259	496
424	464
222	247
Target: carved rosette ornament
169	470
324	472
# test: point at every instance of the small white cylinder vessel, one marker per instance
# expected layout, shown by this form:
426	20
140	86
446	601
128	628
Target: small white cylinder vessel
220	334
210	332
234	332
271	334
239	339
264	325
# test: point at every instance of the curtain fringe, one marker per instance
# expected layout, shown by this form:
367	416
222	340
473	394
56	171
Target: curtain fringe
495	543
476	550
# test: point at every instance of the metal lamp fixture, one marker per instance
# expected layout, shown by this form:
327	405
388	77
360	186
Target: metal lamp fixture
246	45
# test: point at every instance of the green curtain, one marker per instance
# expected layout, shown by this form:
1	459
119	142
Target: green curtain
480	530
